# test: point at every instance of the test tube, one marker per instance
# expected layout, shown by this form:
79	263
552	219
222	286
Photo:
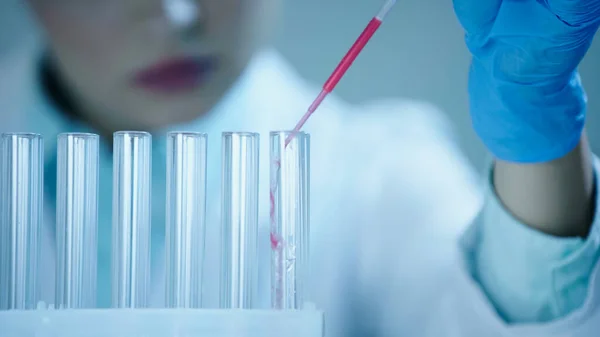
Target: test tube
186	218
131	219
76	220
239	212
289	196
21	206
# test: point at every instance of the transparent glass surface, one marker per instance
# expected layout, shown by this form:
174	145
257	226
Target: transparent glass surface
239	212
21	213
77	220
186	218
290	227
132	153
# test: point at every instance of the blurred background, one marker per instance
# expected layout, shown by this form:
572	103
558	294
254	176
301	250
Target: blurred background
419	54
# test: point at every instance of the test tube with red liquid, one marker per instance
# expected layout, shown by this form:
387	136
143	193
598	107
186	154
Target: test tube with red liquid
289	188
290	226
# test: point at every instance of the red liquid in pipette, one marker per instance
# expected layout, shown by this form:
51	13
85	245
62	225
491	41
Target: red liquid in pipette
339	72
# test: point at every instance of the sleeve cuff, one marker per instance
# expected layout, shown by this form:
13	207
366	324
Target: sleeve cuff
529	276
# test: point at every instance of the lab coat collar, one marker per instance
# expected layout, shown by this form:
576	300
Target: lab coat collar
41	114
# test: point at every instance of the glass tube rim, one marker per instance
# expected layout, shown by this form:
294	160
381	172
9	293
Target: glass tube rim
246	134
137	134
190	134
25	135
285	133
79	135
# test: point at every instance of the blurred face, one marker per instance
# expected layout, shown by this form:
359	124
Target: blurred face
149	63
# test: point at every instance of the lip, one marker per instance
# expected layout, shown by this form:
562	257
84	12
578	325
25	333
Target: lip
176	75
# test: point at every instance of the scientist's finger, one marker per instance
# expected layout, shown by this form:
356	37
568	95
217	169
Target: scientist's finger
476	16
575	12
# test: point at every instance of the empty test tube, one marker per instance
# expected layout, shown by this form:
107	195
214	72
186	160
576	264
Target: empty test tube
186	218
239	191
289	196
21	205
131	219
76	220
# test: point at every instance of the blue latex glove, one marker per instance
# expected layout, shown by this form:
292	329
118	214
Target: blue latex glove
527	101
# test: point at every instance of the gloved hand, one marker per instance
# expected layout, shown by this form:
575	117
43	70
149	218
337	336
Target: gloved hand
527	102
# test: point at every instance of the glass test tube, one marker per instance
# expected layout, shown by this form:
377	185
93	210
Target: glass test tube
131	219
21	206
289	196
239	212
186	218
77	220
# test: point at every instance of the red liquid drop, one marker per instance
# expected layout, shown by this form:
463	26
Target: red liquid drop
274	241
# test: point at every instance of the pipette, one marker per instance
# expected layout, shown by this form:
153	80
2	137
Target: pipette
277	242
345	64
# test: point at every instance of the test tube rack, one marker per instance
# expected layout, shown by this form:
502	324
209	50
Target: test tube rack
291	319
47	322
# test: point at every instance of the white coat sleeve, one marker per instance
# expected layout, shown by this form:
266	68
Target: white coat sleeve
410	275
513	281
541	278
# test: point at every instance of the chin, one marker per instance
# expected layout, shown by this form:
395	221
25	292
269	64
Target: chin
156	118
160	111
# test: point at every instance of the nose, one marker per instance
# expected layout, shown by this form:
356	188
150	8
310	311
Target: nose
182	14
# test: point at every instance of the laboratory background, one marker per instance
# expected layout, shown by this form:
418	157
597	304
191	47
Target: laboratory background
420	55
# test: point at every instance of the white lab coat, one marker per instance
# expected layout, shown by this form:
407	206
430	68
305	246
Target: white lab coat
391	195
